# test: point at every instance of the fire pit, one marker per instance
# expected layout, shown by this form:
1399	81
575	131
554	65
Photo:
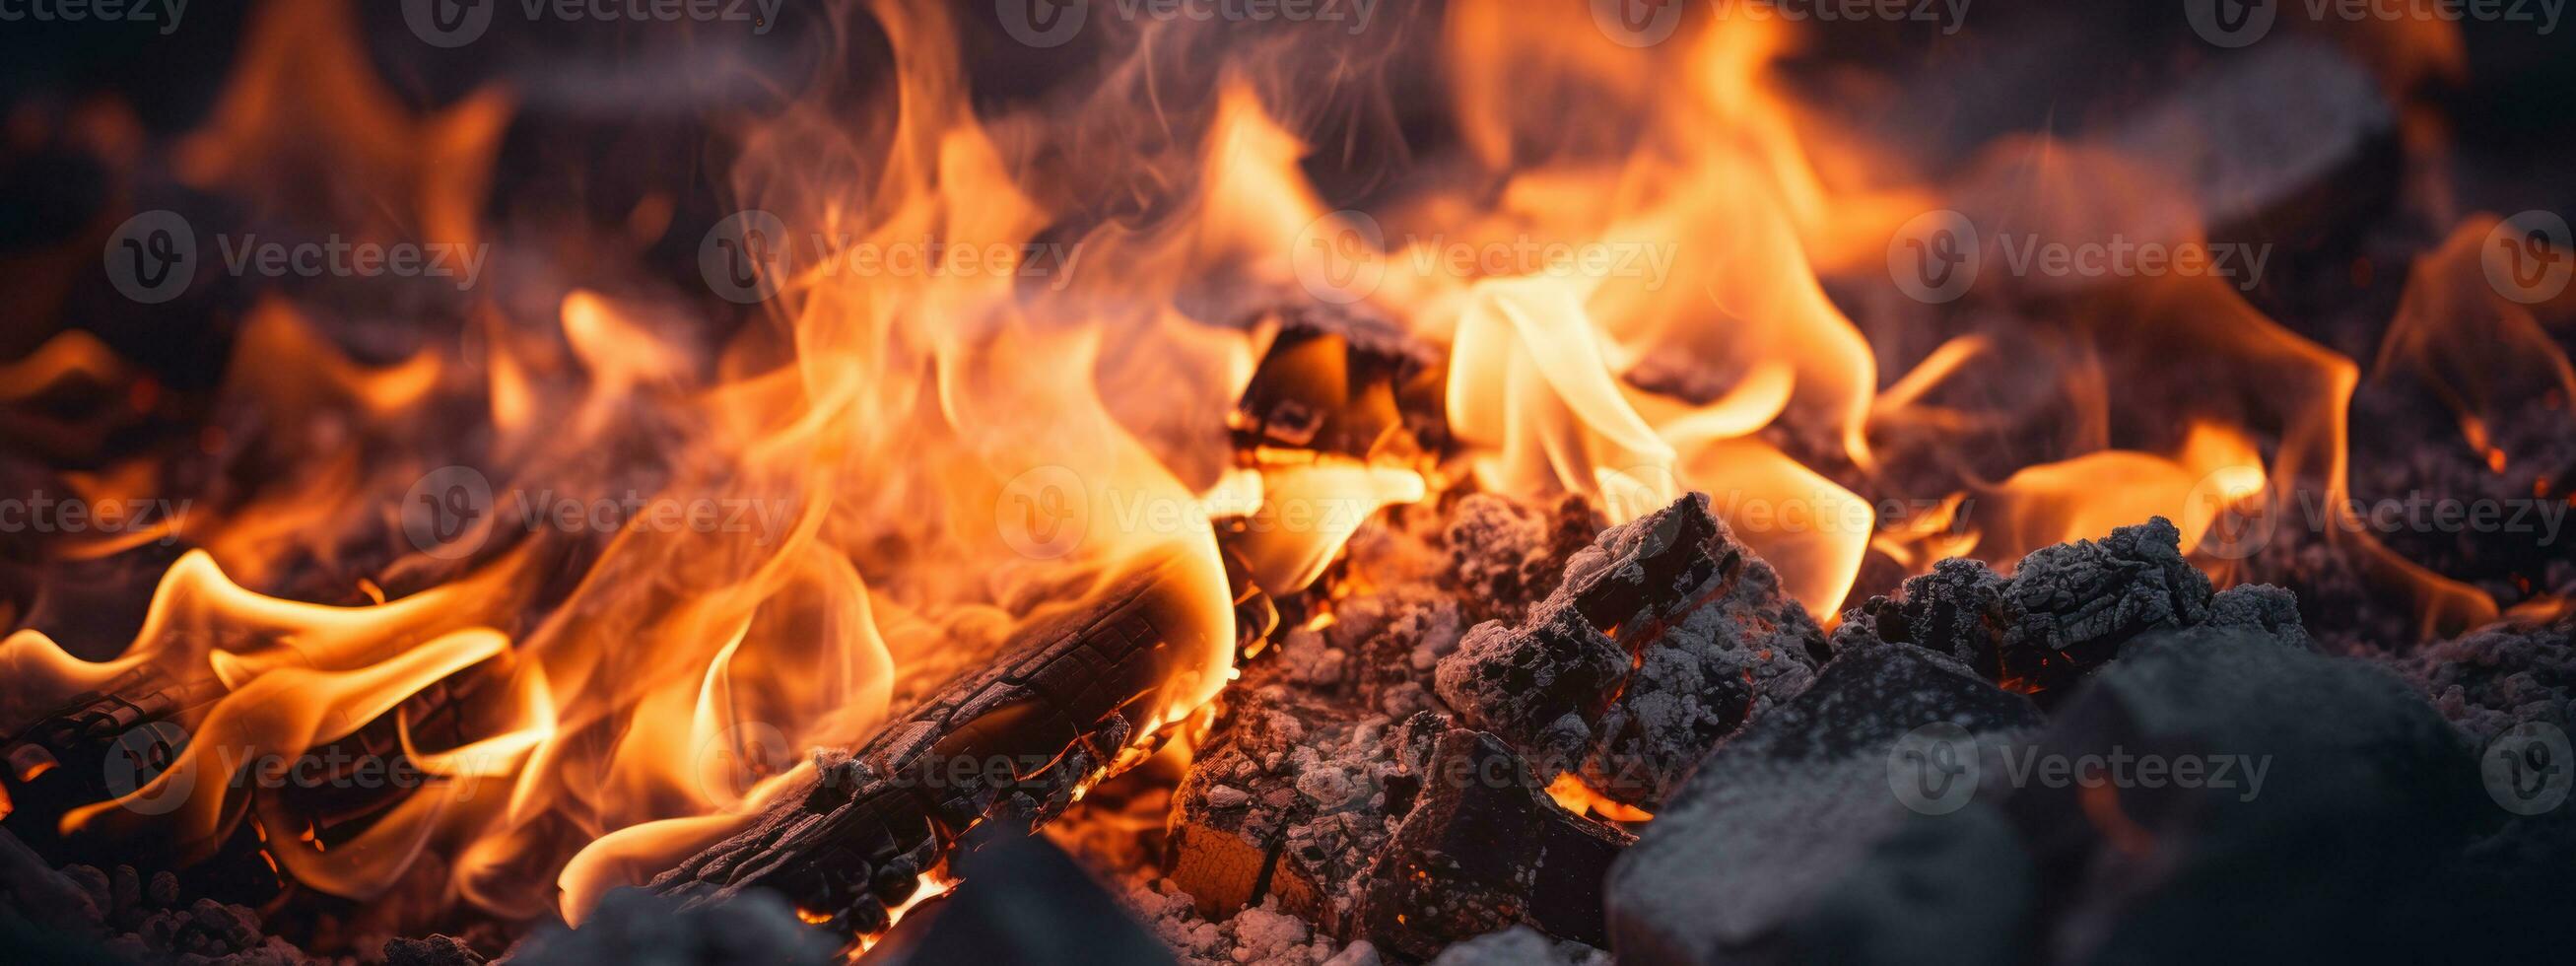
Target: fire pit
1249	482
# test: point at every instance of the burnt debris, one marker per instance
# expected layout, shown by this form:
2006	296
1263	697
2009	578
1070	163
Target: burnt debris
2067	609
1484	849
855	841
1665	635
1732	865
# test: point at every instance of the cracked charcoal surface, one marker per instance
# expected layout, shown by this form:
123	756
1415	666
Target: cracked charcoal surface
1781	810
86	912
2485	683
2496	677
1483	847
634	926
2365	793
2067	608
1664	636
1288	803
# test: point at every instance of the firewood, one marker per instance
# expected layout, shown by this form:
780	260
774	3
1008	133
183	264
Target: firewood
856	839
2067	609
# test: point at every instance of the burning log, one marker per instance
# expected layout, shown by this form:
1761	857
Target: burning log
1056	711
1664	636
1336	382
2067	609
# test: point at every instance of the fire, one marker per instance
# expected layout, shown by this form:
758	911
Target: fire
896	470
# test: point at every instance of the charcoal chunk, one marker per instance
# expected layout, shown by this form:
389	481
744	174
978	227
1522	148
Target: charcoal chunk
1022	900
1289	801
1484	849
2068	608
635	926
2328	790
1662	637
432	950
1961	883
1785	809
